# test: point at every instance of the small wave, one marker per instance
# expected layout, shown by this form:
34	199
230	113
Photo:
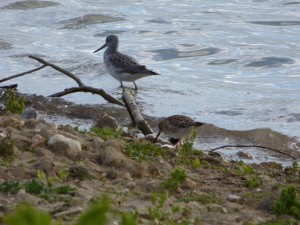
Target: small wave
222	62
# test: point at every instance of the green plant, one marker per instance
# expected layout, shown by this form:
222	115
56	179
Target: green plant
175	180
243	169
107	133
253	182
157	213
143	150
288	203
7	148
187	147
10	187
37	187
294	168
201	198
277	221
27	215
129	219
63	174
41	175
97	214
64	189
196	163
14	103
176	208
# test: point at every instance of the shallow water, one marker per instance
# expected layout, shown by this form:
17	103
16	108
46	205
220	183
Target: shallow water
234	64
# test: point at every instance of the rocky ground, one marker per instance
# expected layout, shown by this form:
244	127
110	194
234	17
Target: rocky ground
63	171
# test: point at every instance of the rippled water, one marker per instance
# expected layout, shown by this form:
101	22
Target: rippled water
234	64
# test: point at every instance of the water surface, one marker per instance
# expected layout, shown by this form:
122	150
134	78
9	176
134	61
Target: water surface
234	64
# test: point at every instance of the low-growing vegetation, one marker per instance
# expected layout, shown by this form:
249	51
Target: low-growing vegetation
288	203
14	103
175	180
253	182
107	133
143	150
6	148
44	190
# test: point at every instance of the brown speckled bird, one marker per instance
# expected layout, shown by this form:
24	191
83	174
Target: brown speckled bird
121	66
177	126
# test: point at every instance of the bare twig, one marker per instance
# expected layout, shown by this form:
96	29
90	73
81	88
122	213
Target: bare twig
22	74
92	90
135	113
72	76
252	146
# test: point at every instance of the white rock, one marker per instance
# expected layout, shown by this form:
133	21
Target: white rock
233	198
65	146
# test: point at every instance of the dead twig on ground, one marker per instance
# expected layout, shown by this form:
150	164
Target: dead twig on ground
251	146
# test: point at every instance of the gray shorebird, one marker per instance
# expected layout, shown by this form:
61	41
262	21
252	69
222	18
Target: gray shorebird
121	66
177	126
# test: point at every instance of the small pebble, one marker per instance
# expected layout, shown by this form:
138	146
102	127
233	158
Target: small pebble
233	198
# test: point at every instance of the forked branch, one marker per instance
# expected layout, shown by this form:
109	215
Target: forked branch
71	75
92	90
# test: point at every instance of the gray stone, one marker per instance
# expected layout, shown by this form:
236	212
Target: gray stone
107	121
29	113
64	146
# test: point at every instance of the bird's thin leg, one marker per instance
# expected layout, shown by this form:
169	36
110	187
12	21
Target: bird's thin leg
135	86
122	85
156	137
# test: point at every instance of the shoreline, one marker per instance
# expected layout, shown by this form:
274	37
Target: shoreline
208	138
213	191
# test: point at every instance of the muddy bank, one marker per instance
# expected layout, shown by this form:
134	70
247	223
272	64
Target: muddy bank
214	191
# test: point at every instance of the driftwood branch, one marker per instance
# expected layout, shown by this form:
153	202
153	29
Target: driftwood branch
252	146
13	86
135	113
22	74
71	75
92	90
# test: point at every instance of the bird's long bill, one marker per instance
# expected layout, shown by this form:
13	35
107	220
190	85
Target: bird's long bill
103	46
156	137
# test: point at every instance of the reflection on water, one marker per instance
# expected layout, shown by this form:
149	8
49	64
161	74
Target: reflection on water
218	62
26	5
276	23
83	21
270	62
167	54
